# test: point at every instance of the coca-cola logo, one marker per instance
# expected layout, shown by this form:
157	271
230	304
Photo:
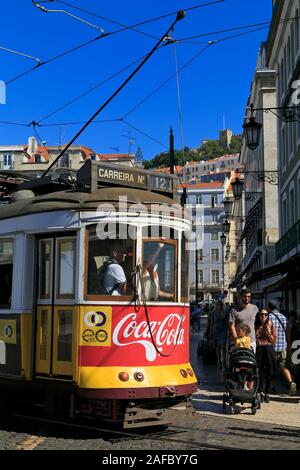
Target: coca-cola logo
166	333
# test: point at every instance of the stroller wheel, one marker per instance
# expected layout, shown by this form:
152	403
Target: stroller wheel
258	401
253	409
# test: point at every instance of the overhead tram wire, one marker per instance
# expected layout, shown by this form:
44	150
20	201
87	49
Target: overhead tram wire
228	30
142	132
52	59
209	44
45	10
179	100
98	85
166	81
84	44
15	124
102	36
101	122
109	20
201	5
11	51
145	99
180	15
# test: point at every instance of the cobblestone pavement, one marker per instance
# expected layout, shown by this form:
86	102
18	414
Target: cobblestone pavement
185	433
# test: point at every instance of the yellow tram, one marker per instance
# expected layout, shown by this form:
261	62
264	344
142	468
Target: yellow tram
67	340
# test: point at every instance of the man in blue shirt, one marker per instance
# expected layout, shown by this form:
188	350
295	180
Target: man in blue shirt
282	345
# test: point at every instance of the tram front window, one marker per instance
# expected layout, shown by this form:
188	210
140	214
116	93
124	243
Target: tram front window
159	271
6	272
110	263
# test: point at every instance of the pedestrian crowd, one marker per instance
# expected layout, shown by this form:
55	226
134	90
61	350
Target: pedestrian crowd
266	331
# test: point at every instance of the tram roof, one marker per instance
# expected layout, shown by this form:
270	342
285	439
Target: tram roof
85	201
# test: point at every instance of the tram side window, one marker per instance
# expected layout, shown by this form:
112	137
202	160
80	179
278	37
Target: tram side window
159	271
110	260
6	272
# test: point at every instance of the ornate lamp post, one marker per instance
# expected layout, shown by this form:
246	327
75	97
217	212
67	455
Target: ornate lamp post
223	240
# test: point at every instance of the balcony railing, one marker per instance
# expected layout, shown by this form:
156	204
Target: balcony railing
289	241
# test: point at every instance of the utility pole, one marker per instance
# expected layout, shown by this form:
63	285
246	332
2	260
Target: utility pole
172	158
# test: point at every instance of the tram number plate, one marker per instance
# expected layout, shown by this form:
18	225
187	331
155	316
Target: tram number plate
160	183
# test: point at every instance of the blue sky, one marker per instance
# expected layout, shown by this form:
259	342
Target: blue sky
216	84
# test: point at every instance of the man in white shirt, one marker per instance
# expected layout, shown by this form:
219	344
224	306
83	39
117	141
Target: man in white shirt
114	279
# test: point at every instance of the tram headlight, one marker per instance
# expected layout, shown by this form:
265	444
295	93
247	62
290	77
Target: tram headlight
190	372
139	377
124	376
183	373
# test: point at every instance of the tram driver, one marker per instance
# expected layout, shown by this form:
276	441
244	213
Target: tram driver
114	278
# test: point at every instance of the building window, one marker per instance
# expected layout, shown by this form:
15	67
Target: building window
215	254
292	208
214	201
65	161
200	255
215	235
199	200
200	276
215	276
284	218
7	159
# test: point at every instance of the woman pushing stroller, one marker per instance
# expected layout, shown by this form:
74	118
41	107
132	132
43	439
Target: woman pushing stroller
266	360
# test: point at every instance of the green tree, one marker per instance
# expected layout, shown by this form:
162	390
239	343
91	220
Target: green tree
163	159
236	144
211	149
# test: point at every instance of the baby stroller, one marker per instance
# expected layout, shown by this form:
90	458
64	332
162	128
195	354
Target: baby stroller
241	380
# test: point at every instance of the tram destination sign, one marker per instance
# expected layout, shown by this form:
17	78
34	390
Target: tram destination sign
94	175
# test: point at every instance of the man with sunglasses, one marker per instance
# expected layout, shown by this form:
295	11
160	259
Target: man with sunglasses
282	344
245	313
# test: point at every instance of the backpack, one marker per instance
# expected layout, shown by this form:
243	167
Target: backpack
100	278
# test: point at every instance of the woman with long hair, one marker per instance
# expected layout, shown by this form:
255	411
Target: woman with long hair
265	338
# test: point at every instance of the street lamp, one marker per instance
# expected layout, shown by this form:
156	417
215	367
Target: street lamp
252	128
228	204
223	240
252	131
237	188
226	228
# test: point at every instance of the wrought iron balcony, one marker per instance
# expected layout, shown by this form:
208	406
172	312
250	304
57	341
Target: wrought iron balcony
289	241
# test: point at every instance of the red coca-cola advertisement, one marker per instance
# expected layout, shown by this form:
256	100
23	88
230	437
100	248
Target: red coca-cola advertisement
134	337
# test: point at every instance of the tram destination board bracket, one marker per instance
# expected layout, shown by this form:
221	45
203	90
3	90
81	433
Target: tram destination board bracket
96	174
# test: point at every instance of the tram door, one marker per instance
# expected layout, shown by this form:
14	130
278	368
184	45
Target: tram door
55	306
